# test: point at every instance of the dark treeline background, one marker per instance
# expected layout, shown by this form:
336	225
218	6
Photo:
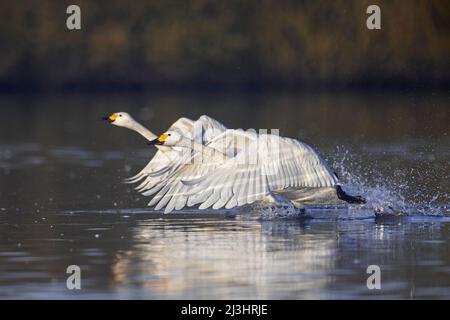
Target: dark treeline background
238	44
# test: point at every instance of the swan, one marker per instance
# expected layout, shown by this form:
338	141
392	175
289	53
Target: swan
163	162
225	173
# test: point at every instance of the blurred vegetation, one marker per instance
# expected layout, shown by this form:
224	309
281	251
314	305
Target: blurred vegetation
239	44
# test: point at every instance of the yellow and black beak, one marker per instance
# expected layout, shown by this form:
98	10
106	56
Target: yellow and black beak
159	141
111	118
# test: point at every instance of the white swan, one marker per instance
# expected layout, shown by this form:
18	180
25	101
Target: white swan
163	163
226	173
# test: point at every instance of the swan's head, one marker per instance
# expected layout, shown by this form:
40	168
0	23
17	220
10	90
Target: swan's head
169	138
121	119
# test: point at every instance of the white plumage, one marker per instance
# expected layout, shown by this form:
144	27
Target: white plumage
203	163
267	164
166	159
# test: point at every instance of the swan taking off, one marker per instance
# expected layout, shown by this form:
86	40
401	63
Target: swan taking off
164	161
229	168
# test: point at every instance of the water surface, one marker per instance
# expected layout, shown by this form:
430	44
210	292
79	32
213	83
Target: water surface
62	201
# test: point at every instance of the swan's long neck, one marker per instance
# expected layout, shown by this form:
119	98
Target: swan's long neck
139	128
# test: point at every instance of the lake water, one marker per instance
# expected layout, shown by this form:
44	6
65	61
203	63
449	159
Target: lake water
62	201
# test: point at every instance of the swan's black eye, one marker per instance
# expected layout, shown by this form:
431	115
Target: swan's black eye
169	134
120	115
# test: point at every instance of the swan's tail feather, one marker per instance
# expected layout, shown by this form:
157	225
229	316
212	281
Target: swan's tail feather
348	198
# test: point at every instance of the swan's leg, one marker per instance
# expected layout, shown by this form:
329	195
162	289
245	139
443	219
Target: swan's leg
341	194
276	200
281	202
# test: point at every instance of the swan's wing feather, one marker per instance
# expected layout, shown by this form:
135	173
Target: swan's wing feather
174	192
268	163
165	156
167	160
205	129
183	126
281	163
232	141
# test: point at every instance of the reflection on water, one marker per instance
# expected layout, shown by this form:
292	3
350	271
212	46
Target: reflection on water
138	255
62	202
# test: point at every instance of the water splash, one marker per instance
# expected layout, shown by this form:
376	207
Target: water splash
271	212
398	192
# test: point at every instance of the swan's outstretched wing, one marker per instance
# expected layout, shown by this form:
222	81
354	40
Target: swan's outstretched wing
167	159
261	164
205	129
268	164
172	193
